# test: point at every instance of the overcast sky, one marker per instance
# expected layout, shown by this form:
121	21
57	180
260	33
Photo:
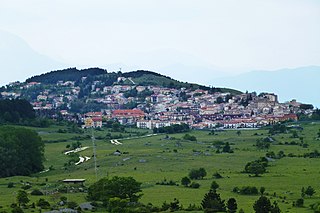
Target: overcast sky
228	35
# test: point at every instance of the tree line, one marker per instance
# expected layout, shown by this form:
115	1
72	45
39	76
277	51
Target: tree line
20	111
16	110
70	74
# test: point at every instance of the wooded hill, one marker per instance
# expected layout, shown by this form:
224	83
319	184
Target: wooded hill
139	77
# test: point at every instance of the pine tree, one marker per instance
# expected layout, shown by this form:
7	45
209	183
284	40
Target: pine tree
212	202
232	205
275	208
262	205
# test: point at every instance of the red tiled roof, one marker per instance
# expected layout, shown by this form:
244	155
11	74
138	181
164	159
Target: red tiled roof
128	112
95	119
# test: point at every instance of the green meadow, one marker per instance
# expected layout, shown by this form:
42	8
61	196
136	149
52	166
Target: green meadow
153	159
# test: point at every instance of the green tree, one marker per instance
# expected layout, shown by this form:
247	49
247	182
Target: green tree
212	202
16	209
227	148
42	203
21	151
310	191
262	144
275	208
202	172
214	185
255	168
189	137
303	193
121	187
262	205
232	205
299	202
197	173
262	190
117	204
185	181
175	205
22	198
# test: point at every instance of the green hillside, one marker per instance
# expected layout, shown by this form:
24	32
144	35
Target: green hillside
139	77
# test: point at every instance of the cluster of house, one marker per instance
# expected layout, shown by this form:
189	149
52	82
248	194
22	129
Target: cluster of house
166	106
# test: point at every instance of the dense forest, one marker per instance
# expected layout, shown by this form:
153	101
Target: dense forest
14	111
70	74
21	151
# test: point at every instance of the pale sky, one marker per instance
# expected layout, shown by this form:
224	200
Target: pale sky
226	35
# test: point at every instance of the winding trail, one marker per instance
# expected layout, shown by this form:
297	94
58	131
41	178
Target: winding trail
76	150
116	141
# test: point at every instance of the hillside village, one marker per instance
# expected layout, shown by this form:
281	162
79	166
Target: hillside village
153	106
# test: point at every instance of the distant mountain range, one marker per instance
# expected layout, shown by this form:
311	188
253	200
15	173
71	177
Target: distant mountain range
301	83
20	60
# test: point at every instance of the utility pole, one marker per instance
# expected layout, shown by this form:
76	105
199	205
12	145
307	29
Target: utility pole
94	153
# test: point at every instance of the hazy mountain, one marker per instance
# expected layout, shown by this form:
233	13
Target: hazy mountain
192	73
300	83
19	60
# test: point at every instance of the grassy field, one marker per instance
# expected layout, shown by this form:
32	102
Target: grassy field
152	159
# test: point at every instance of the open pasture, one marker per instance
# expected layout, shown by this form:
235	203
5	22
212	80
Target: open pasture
153	159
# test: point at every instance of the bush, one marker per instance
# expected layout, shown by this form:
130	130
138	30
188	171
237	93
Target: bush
214	185
194	185
10	185
36	192
257	167
197	173
26	187
217	175
189	137
42	203
167	183
185	181
17	209
246	190
299	202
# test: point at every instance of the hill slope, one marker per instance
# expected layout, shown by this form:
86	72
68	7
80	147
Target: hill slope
139	77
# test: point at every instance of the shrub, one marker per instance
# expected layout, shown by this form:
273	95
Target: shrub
217	175
36	192
189	137
42	203
26	187
299	202
185	181
194	185
17	209
246	190
197	173
10	185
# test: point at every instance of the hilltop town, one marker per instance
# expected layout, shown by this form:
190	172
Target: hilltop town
153	106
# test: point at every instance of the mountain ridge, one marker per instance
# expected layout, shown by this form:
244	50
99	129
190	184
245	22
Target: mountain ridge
289	83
